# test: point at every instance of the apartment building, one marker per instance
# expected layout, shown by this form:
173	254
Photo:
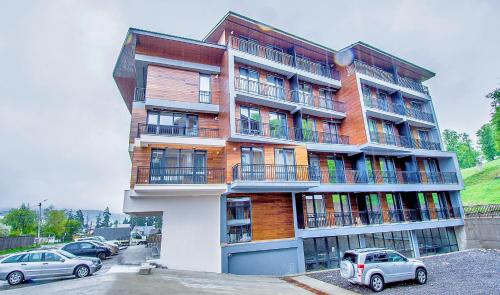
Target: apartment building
266	153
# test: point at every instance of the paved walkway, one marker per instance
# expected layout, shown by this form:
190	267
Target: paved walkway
124	280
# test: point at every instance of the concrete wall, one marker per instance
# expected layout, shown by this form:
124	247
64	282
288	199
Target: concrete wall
481	233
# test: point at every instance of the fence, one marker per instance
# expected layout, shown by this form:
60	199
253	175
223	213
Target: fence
15	242
482	211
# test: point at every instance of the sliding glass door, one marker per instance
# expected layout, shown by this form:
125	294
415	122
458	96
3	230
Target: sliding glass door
285	164
174	166
252	163
250	121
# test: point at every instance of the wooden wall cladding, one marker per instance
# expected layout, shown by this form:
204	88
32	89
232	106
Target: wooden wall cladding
354	123
178	85
272	215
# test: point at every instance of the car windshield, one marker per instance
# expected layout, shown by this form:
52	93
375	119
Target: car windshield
66	254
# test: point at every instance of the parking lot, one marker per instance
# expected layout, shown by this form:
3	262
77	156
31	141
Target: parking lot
468	272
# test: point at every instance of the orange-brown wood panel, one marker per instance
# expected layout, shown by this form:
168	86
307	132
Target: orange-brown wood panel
432	206
272	215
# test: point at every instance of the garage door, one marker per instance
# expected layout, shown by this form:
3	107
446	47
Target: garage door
269	262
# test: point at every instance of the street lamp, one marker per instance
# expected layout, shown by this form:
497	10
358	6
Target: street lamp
40	217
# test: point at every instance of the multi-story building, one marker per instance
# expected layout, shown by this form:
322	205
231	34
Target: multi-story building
266	153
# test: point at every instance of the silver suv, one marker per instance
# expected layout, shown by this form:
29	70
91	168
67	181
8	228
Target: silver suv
376	266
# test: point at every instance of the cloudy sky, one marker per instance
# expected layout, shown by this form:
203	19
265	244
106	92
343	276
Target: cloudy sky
64	127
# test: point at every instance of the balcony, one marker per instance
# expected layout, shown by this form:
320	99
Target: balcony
381	74
360	218
327	176
180	181
279	177
390	139
152	133
309	136
140	94
426	144
419	115
287	64
205	96
277	97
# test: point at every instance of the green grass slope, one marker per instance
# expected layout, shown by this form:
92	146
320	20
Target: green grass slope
482	187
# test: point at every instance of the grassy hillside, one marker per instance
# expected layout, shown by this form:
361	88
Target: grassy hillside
482	187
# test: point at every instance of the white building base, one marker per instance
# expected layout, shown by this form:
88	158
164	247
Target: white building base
190	230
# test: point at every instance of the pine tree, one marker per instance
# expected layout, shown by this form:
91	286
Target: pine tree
98	221
79	217
106	219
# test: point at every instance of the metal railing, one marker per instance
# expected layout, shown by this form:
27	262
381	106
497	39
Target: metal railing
418	114
425	144
480	211
256	128
254	48
205	97
378	73
170	130
180	175
390	139
355	218
270	172
139	94
278	93
330	176
306	135
376	103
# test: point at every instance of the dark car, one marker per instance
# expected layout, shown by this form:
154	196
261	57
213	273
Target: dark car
87	248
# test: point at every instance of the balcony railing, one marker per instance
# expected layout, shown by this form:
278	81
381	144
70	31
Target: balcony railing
180	175
390	139
279	94
482	211
205	97
169	130
139	94
420	115
378	73
425	144
329	176
256	128
305	135
355	218
373	102
253	48
269	172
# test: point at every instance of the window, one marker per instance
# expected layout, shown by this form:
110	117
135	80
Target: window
285	164
342	209
314	167
388	170
52	257
248	80
309	130
278	125
331	132
370	170
35	257
389	137
205	93
315	211
374	134
250	121
336	170
174	124
395	257
436	240
305	94
423	206
395	207
239	220
325	99
382	100
86	246
431	170
13	259
177	166
276	87
252	163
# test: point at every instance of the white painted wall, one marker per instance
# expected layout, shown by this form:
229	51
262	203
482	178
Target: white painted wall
190	231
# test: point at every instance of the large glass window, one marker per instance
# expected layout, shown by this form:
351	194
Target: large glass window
325	99
285	164
276	87
177	166
315	211
252	163
331	132
388	170
169	123
239	220
423	206
205	94
342	209
436	240
250	121
278	125
249	80
336	170
305	94
308	130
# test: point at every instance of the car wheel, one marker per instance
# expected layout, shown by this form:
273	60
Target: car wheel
82	271
101	255
15	278
377	283
421	276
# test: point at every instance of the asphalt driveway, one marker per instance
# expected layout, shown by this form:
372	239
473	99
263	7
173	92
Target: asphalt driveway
467	272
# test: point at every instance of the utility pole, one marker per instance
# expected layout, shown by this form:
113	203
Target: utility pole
40	217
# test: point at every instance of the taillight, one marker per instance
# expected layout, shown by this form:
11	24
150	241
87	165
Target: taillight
361	269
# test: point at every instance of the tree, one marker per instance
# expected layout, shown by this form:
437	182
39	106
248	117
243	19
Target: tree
106	218
56	223
72	227
98	221
79	217
70	214
125	221
462	145
137	220
494	97
115	224
487	142
22	220
4	230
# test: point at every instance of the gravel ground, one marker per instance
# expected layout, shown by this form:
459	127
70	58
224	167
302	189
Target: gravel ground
468	272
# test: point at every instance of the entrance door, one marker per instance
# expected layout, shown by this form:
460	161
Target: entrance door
388	170
314	167
200	172
252	163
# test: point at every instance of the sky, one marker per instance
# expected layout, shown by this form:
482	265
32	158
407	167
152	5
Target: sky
63	124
